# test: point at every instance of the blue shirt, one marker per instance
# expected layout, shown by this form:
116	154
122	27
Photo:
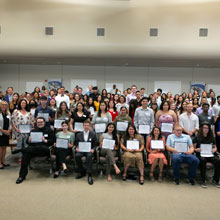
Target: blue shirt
48	110
172	138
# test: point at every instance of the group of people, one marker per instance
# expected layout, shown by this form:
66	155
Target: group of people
172	130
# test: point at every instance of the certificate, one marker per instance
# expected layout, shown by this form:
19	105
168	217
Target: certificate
36	137
157	144
182	147
144	129
108	144
100	128
91	109
78	126
24	129
44	115
133	145
62	143
206	150
167	127
122	126
57	123
84	146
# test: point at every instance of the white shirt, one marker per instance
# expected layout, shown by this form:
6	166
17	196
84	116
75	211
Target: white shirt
216	109
189	123
61	98
86	135
130	97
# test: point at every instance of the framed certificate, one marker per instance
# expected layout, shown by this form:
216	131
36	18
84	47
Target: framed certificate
36	137
84	146
133	145
25	129
206	150
62	143
44	115
100	128
108	144
122	126
157	144
167	127
78	126
144	129
182	147
57	123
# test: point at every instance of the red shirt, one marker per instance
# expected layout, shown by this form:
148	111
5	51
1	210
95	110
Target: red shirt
114	114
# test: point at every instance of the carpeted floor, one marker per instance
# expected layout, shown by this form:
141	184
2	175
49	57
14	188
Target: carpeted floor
42	197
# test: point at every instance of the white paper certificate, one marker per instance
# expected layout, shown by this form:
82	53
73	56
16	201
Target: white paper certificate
57	123
144	129
133	145
36	137
24	129
84	146
78	126
167	127
157	144
206	150
91	109
108	144
62	143
44	115
122	126
100	128
182	147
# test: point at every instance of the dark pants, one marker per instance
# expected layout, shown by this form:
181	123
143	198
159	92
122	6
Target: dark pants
30	152
214	160
61	155
88	156
178	159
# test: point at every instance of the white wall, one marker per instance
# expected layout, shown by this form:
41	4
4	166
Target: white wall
17	75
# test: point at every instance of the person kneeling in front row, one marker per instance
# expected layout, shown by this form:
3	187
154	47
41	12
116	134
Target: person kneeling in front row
181	147
44	138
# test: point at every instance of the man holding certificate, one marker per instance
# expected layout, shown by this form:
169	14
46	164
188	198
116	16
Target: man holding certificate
205	149
144	118
85	146
39	141
181	147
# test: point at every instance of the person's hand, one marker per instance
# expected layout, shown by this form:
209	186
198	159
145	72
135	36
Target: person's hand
154	151
214	150
92	150
70	145
130	150
188	152
77	149
17	130
175	151
29	139
43	139
190	133
218	133
7	132
198	150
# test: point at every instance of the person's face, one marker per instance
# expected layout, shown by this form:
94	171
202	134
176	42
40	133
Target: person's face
23	104
205	129
90	88
165	106
79	107
99	98
138	95
40	123
43	102
37	89
77	97
142	91
156	131
63	106
62	90
180	99
158	93
212	94
28	96
86	127
10	91
71	96
190	95
125	93
144	103
205	108
111	104
134	89
189	108
116	97
218	101
90	101
195	101
129	91
65	126
36	95
52	92
121	100
173	107
102	106
110	128
154	107
184	105
131	131
123	111
178	131
3	107
95	91
75	90
52	102
80	91
46	93
187	100
15	97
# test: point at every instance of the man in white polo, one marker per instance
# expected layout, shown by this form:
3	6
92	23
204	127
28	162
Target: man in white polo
62	97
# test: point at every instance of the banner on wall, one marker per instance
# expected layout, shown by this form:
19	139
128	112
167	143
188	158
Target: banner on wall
199	86
54	83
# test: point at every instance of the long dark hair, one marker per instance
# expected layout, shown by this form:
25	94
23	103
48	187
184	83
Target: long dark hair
59	111
127	136
209	137
134	103
19	105
83	107
152	133
114	132
162	104
106	108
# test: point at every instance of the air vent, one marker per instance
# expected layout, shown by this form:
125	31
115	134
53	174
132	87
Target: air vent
100	32
203	32
153	32
48	30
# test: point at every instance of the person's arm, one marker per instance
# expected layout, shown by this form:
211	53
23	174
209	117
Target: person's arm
168	146
136	119
214	149
71	142
141	143
117	146
157	118
55	115
191	149
101	141
148	145
152	120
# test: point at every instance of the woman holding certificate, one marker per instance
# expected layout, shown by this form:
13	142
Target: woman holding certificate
133	144
101	119
165	119
5	128
22	121
109	146
64	144
205	148
155	148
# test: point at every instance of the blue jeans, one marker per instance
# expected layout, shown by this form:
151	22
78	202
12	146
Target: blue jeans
21	142
190	159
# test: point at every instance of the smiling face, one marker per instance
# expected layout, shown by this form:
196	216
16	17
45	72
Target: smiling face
131	131
110	128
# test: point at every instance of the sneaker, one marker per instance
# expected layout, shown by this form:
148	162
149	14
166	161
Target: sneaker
204	185
177	181
192	182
